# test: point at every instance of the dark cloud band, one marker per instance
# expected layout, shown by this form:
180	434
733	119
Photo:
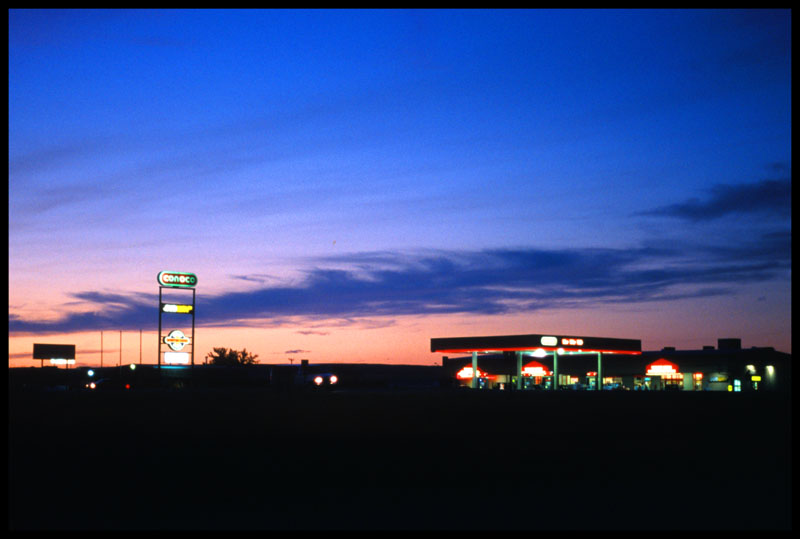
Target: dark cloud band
443	282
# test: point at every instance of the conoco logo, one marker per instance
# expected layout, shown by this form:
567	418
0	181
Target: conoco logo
177	278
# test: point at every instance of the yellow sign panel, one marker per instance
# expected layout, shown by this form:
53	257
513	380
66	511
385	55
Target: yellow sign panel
175	308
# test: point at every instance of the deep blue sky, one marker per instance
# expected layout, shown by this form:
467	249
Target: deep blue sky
343	166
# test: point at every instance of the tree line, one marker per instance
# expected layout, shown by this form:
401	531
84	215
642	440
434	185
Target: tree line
231	357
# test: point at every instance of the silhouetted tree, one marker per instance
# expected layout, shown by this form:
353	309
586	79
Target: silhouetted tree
224	356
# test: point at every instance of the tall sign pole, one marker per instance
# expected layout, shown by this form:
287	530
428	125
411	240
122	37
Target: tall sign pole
160	288
174	280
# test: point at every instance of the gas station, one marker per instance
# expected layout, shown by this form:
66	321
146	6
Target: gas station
538	346
555	361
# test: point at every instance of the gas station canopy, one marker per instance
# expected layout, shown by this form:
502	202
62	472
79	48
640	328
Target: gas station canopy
563	344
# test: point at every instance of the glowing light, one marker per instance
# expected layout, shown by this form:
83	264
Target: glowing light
466	372
755	378
565	341
175	308
177	279
176	358
661	367
61	361
318	380
750	369
560	350
333	379
176	339
698	376
127	386
770	369
657	370
549	341
539	352
579	342
133	367
92	385
90	372
534	371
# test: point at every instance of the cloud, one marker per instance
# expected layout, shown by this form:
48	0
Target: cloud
768	197
297	352
375	286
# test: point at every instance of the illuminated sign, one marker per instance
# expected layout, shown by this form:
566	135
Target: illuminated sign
534	368
466	372
535	371
177	279
661	367
176	358
175	308
549	341
62	361
755	378
176	339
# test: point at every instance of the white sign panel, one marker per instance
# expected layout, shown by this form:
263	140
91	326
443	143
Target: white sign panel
176	358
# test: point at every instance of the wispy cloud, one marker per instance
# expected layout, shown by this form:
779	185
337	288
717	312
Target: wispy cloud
768	197
374	286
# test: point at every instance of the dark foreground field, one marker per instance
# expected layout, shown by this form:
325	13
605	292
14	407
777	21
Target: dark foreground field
438	459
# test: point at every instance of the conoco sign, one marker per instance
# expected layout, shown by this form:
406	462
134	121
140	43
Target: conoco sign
177	279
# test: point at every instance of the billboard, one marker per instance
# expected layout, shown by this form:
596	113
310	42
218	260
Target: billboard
53	351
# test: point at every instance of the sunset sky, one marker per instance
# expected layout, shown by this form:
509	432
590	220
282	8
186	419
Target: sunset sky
347	185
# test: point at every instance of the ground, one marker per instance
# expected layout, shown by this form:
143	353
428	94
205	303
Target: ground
398	459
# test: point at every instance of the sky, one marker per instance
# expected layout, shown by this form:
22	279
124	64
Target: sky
349	184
